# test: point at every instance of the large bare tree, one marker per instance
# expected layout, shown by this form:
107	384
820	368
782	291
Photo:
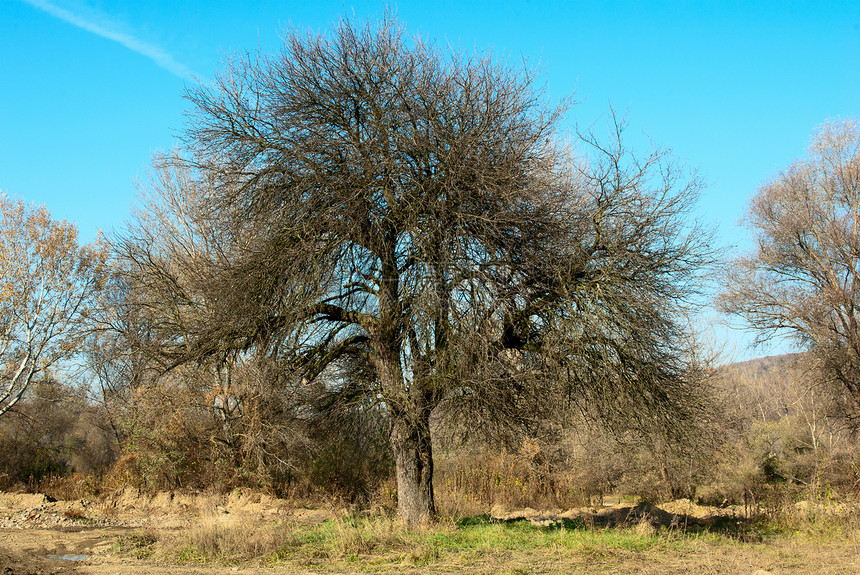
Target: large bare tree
400	225
803	278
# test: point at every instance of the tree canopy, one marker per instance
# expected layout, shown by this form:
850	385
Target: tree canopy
803	278
47	285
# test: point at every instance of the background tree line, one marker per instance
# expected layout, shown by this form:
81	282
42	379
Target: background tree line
371	254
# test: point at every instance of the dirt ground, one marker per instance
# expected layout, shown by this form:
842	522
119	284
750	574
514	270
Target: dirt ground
41	537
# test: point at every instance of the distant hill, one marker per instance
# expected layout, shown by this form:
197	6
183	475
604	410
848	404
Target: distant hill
766	366
767	387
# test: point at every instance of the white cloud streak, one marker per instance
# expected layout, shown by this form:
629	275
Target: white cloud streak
105	30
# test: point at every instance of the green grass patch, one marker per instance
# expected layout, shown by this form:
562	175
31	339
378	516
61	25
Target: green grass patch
474	544
377	542
140	545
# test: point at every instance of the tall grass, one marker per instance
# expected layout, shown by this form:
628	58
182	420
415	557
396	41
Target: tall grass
471	485
380	540
349	542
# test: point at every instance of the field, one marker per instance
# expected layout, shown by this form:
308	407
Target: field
246	532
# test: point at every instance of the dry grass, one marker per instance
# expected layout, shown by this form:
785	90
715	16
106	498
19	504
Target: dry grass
469	485
377	543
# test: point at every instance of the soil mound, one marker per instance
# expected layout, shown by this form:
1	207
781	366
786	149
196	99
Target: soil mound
21	500
615	516
131	507
639	513
132	501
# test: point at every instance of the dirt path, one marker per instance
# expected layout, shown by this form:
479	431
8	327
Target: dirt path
31	551
39	536
38	552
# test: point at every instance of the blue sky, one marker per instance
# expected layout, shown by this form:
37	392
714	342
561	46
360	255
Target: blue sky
92	88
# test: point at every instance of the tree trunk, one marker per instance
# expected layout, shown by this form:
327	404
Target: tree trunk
413	455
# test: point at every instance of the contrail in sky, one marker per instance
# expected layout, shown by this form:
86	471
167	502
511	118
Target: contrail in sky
151	51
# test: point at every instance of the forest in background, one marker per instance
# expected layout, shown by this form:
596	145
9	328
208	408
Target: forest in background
773	441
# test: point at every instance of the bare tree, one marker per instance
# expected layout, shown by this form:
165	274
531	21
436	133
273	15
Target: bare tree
47	284
400	224
803	279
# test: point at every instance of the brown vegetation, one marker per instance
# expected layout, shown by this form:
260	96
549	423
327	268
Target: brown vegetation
776	446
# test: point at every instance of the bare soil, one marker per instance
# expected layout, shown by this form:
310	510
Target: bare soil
40	537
